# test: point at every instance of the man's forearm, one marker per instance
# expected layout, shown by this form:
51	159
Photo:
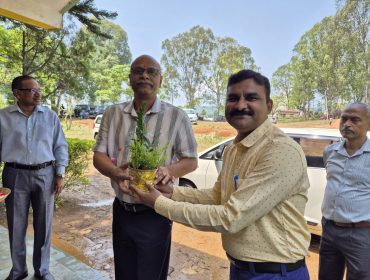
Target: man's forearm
182	167
103	164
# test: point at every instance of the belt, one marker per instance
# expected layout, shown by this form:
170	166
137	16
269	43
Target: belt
28	167
353	225
132	207
266	267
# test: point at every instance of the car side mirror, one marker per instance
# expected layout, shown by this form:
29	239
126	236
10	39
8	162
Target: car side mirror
218	152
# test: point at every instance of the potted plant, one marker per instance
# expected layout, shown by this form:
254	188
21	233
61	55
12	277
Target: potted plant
145	157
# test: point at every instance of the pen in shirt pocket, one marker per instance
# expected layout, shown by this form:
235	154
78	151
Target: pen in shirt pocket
236	177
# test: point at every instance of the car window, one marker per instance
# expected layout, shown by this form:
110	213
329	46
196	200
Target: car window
314	148
98	120
219	150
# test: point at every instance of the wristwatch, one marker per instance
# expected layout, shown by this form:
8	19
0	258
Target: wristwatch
61	175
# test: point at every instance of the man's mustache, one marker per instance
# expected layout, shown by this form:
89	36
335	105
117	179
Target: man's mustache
234	113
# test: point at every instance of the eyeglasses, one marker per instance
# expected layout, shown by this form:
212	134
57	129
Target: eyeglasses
153	72
31	90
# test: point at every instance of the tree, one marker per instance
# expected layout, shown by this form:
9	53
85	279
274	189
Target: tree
353	18
227	57
108	64
42	54
186	59
332	59
282	83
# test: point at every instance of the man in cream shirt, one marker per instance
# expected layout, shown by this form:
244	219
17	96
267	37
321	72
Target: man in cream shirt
258	201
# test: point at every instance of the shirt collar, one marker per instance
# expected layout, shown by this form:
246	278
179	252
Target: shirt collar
256	134
130	109
365	148
15	108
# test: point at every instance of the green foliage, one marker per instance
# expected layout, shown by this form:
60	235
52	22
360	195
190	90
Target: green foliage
79	155
330	61
143	154
108	65
228	57
88	64
86	13
186	58
199	64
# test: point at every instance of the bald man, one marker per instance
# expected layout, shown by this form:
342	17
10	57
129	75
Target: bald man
345	241
141	237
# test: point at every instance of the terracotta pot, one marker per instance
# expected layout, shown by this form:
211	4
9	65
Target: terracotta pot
141	176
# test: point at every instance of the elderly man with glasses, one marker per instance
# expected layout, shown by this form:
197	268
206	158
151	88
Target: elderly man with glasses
35	153
141	237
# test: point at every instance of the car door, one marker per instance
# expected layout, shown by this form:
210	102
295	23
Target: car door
214	167
313	147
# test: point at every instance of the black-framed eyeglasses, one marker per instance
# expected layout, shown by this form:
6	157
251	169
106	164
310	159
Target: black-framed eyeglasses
31	90
153	72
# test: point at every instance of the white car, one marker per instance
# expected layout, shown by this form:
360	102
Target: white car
313	142
97	122
192	115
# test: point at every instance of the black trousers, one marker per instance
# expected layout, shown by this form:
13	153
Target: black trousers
141	244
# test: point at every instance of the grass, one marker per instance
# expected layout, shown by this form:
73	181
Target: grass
81	129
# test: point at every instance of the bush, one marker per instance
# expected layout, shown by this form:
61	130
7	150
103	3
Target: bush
79	151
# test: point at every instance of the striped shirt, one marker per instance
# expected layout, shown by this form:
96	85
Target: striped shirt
257	202
347	193
166	125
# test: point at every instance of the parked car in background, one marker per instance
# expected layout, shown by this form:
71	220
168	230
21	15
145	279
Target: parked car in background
81	111
97	122
313	142
192	114
96	110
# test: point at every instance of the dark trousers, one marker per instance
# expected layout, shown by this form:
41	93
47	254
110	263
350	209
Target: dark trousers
141	244
298	274
344	247
35	187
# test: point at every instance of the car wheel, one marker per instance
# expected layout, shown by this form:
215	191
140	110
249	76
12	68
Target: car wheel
186	183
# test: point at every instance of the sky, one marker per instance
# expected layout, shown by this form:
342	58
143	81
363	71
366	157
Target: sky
270	28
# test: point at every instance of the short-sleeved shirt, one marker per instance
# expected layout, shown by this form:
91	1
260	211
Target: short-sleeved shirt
347	193
166	125
259	214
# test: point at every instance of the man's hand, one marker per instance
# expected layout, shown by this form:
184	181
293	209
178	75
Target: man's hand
147	198
163	175
120	176
59	185
165	189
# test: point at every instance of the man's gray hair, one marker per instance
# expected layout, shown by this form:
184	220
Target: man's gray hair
364	105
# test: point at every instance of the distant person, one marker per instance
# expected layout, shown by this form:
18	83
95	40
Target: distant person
141	237
35	153
259	198
345	241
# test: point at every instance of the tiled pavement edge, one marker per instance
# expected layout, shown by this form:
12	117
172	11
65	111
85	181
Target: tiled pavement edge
62	265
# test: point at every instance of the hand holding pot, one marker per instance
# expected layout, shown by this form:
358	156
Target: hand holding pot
121	176
163	175
147	198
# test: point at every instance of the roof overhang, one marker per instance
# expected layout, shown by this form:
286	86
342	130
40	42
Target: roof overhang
46	14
